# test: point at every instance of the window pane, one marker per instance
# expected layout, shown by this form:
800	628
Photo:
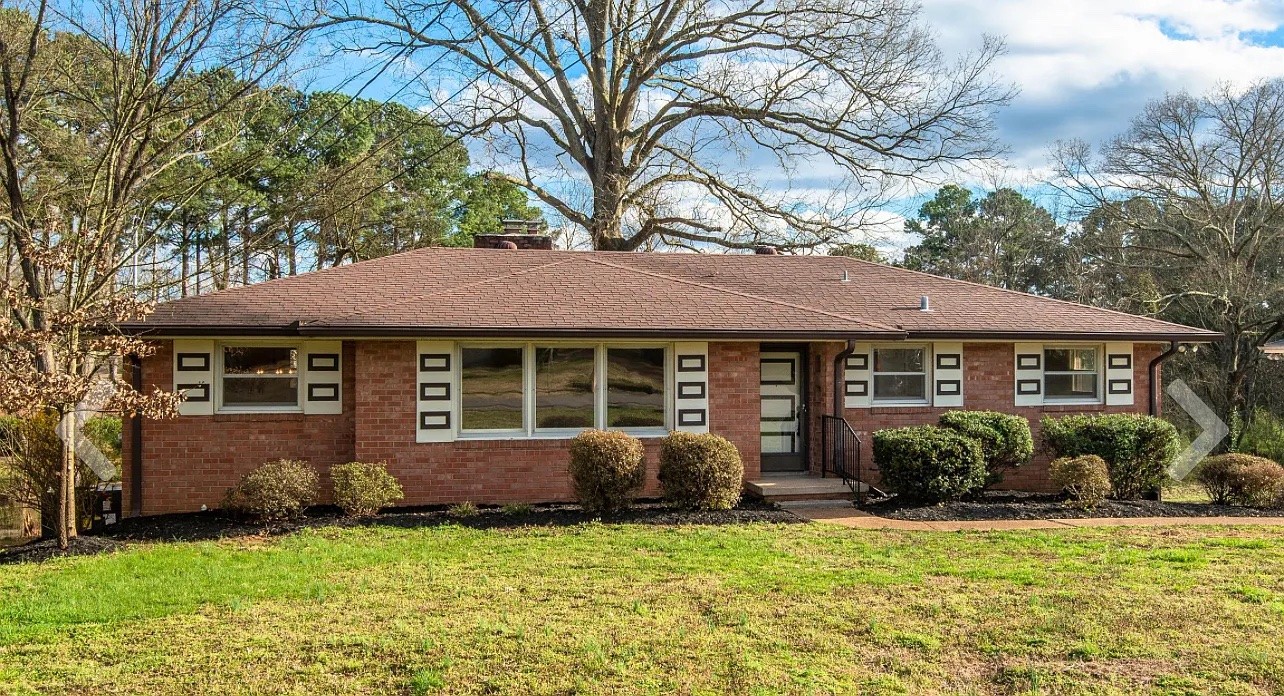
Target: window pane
900	387
1070	359
491	389
260	360
1070	386
635	387
260	391
898	360
563	387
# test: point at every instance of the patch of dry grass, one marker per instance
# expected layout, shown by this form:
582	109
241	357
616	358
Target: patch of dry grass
636	609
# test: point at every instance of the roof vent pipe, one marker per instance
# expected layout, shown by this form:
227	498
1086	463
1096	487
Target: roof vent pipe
924	304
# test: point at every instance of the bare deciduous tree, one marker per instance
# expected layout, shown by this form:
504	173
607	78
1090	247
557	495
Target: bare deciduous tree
98	101
1189	203
697	122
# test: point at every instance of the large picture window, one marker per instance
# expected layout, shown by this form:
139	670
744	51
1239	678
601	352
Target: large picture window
491	394
555	390
900	374
260	377
1071	374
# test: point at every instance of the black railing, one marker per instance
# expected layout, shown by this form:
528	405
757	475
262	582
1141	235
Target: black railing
842	448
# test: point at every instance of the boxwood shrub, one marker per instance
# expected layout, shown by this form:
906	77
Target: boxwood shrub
929	463
700	471
1138	449
1241	479
1085	479
362	489
607	470
275	491
1006	440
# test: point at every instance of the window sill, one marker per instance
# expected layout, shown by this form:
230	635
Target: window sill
563	435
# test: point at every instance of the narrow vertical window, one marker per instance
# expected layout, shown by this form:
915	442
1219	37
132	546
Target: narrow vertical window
635	395
564	388
491	392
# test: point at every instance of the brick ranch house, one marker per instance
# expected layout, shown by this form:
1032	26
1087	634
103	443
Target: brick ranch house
468	370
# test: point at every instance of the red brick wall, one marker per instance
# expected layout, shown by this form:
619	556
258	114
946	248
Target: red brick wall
987	386
192	460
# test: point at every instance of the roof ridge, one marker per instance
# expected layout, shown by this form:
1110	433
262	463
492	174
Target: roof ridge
1019	293
741	293
451	289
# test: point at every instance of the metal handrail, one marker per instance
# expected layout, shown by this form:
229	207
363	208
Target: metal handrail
842	447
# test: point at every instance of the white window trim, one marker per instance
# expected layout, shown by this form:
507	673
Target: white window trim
219	375
1070	400
928	366
529	431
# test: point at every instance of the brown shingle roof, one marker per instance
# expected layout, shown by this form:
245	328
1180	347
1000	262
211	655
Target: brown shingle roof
516	292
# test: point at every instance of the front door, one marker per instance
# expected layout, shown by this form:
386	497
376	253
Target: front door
784	409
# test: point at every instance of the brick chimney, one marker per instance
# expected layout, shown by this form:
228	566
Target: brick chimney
518	234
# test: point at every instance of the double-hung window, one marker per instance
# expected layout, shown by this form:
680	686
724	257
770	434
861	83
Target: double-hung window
900	374
1072	374
557	390
259	377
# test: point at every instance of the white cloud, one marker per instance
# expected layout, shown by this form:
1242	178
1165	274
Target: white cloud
1086	67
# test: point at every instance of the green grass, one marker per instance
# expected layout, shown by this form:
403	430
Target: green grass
753	609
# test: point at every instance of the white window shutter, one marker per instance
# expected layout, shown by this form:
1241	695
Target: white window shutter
1028	368
691	387
947	375
321	365
436	391
194	376
858	378
1119	374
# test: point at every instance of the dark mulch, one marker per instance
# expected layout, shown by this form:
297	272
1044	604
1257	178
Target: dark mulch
207	526
1004	505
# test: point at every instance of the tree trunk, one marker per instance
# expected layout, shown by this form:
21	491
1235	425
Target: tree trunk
67	491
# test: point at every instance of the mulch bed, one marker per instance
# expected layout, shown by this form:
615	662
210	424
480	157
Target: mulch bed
207	526
1004	505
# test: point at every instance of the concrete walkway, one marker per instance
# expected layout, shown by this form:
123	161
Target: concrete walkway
848	516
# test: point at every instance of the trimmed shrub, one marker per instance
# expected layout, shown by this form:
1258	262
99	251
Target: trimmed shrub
929	463
275	491
1085	479
700	471
1006	440
1138	449
361	489
606	470
1241	479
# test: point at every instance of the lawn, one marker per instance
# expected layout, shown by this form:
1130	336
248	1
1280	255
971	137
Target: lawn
754	608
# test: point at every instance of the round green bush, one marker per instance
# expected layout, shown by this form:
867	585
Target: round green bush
362	489
700	471
275	491
928	463
1085	479
607	470
1006	440
1138	449
1241	479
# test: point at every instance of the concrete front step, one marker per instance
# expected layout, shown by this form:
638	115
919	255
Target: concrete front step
799	487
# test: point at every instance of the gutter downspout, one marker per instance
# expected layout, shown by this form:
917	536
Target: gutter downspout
840	364
1173	349
136	442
